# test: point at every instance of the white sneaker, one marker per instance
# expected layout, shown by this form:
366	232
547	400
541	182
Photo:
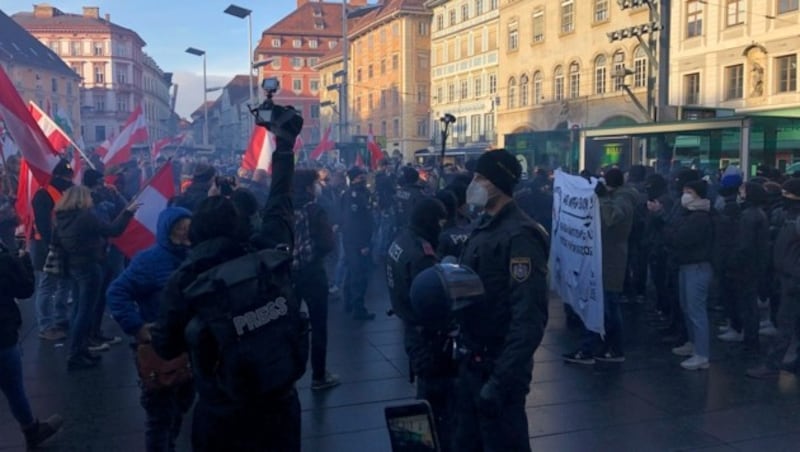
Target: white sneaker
686	349
731	336
725	328
767	329
696	362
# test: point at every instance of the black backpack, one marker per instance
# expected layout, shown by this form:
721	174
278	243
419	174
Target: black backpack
303	250
248	315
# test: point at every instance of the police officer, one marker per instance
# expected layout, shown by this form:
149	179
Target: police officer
357	226
458	227
500	334
410	253
409	193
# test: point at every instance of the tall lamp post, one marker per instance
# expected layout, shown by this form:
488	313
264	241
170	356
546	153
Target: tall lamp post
446	120
241	13
202	53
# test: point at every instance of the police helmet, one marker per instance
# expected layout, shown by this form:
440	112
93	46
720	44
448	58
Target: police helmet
441	289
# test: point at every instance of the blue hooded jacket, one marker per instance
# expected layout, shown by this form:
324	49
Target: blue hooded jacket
134	297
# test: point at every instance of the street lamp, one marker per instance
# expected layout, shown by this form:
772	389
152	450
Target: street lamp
446	120
241	13
202	53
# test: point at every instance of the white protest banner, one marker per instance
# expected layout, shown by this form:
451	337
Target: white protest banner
576	253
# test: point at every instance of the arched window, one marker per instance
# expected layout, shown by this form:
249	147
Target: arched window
600	75
538	93
512	93
558	83
619	69
524	91
574	80
639	68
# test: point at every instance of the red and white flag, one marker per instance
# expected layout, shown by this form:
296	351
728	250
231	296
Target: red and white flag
58	139
26	187
102	149
374	149
33	144
77	168
164	142
141	231
259	152
134	131
325	145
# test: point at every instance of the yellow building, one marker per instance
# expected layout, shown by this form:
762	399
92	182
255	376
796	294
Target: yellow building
389	75
737	54
39	75
558	68
465	60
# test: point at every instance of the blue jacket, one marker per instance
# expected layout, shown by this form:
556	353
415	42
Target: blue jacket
134	297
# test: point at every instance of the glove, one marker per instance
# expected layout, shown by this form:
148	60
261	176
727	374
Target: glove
490	400
600	189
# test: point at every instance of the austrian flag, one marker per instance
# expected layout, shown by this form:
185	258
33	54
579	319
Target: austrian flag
141	231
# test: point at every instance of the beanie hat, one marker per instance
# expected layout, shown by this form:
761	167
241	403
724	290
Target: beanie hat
63	169
354	172
791	188
655	185
731	178
698	186
501	168
408	175
614	178
214	217
684	176
203	173
92	178
755	193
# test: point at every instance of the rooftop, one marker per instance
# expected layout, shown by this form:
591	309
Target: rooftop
17	46
46	18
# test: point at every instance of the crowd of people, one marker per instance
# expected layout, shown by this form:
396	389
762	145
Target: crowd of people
271	250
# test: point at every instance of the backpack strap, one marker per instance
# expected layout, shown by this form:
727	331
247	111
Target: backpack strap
235	271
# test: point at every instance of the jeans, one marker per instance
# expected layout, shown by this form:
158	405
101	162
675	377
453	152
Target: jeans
112	267
355	286
51	297
11	383
86	290
165	410
269	425
592	342
341	263
693	283
314	291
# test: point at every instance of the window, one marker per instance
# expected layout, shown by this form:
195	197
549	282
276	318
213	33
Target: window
477	88
475	127
785	6
478	7
382	35
440	94
54	85
276	42
558	83
574	80
358	103
297	85
98	48
75	48
396	127
422	128
787	73
512	93
451	92
122	104
297	43
567	16
383	98
488	126
358	75
55	47
639	68
691	87
313	61
99	104
538	26
464	89
422	28
600	75
513	37
100	133
422	94
461	128
276	63
734	82
422	61
383	128
439	22
313	43
69	88
493	5
524	91
99	73
395	61
538	95
297	62
369	101
452	17
465	12
332	44
383	66
492	84
619	68
694	18
314	84
600	10
735	12
369	71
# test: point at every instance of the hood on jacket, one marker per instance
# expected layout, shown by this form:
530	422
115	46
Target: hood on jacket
166	220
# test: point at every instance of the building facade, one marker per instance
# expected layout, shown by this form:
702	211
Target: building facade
39	75
389	75
156	100
738	55
558	70
107	56
464	70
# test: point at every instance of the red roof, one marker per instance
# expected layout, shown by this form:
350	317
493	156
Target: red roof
386	9
70	23
314	20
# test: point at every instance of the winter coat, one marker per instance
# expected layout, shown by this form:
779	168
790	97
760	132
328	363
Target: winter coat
82	235
133	298
690	237
616	217
655	224
43	204
320	231
751	249
16	281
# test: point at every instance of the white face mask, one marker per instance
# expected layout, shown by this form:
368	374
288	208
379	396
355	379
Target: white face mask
477	195
317	190
687	199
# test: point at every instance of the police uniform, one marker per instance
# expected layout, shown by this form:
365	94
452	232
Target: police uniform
406	197
356	235
501	333
454	236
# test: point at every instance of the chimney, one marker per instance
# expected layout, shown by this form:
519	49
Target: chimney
357	3
108	17
91	12
45	10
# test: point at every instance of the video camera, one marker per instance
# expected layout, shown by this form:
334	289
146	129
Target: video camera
283	121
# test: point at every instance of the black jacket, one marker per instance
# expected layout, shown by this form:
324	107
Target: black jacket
193	196
751	249
691	237
786	252
43	205
655	224
509	252
83	236
356	219
406	197
454	236
384	190
320	230
16	281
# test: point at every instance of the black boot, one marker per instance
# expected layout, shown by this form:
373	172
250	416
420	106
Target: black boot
41	431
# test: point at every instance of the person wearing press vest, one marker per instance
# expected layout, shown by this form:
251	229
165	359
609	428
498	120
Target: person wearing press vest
52	290
500	334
